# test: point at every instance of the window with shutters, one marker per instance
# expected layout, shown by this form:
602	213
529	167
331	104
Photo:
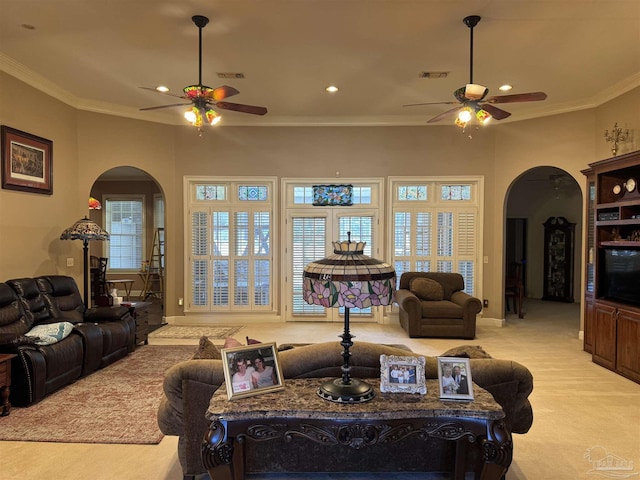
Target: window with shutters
124	220
230	257
435	226
310	231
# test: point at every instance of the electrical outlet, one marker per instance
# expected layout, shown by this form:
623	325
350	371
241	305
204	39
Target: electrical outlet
485	303
70	262
180	301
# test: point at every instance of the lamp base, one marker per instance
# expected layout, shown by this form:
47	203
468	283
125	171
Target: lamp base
354	392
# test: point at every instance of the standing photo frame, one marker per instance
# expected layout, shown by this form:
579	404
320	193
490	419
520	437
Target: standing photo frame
399	374
252	370
454	378
27	161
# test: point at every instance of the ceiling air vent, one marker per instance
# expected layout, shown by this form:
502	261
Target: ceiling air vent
230	75
434	74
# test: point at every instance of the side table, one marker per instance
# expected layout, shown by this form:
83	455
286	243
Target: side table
140	311
319	432
5	382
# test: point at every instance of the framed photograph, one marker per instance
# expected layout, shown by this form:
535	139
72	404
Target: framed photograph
454	378
251	370
402	374
27	162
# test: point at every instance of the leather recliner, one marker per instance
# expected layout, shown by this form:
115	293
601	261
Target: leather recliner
100	336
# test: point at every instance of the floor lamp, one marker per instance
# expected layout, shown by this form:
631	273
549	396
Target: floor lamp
85	230
348	279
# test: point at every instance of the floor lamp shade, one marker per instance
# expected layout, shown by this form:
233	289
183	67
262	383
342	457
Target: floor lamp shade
85	230
348	279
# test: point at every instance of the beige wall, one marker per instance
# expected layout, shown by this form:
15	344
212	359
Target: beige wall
87	144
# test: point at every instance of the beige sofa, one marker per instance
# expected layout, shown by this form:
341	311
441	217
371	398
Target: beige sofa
189	385
433	304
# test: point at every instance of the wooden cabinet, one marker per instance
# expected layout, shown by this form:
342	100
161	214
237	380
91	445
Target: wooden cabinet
589	323
558	259
612	265
604	335
628	343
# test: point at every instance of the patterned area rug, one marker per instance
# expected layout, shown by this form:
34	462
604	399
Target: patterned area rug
178	331
117	404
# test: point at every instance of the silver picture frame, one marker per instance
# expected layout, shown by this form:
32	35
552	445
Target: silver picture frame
400	374
451	388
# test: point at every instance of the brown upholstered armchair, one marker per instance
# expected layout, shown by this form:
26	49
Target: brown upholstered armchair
432	304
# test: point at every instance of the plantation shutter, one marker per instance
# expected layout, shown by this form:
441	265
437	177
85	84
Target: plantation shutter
309	244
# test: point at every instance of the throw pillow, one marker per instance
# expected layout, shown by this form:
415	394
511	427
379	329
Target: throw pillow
231	342
426	289
207	350
50	333
466	351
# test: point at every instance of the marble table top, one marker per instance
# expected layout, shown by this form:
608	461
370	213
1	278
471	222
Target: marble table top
299	400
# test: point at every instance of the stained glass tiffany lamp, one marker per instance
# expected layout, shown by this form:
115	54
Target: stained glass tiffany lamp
85	230
348	279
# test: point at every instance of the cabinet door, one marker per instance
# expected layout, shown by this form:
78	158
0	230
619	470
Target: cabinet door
589	326
604	338
628	352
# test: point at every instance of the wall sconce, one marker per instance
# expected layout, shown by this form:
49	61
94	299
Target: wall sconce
617	135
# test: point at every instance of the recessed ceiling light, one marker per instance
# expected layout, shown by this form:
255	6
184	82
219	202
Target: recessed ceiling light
505	88
331	89
162	89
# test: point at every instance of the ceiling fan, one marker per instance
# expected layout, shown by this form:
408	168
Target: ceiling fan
471	98
203	98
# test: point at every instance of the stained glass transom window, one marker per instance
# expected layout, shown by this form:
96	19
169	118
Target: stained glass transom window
252	193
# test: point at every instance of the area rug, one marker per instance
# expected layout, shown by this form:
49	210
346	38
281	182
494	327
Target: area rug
117	404
195	331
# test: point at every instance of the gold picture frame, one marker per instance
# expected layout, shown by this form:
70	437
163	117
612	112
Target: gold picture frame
27	161
252	370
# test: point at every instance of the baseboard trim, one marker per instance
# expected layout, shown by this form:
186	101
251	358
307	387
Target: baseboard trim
491	322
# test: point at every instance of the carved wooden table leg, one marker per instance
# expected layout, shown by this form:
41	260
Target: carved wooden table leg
217	453
497	451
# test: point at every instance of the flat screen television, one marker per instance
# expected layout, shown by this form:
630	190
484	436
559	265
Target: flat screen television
619	275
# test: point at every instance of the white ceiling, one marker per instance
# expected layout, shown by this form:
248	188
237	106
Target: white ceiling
95	55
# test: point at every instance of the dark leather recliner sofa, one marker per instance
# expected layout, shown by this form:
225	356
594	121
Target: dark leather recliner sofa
100	336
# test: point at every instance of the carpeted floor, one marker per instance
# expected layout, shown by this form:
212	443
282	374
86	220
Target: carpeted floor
117	404
195	331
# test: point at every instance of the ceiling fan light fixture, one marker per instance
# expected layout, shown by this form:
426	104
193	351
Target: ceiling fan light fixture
193	116
465	115
212	117
483	116
474	91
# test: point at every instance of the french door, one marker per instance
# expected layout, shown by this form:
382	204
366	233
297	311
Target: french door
309	237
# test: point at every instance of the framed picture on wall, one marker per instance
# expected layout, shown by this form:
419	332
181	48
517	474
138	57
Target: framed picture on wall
27	162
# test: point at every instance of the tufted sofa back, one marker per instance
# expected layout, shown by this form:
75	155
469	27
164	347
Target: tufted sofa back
32	299
14	319
62	297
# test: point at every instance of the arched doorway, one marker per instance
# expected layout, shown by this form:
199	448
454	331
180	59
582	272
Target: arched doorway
537	195
133	211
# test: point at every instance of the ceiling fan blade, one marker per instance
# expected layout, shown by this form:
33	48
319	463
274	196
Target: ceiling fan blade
163	93
518	97
238	107
443	115
429	103
495	112
223	92
165	106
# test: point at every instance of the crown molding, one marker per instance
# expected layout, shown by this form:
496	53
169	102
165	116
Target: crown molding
19	71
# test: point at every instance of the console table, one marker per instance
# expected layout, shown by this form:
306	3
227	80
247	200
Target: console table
297	415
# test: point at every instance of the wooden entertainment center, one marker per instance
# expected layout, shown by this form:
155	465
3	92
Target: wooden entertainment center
612	266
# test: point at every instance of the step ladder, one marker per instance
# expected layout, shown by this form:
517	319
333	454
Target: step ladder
154	276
